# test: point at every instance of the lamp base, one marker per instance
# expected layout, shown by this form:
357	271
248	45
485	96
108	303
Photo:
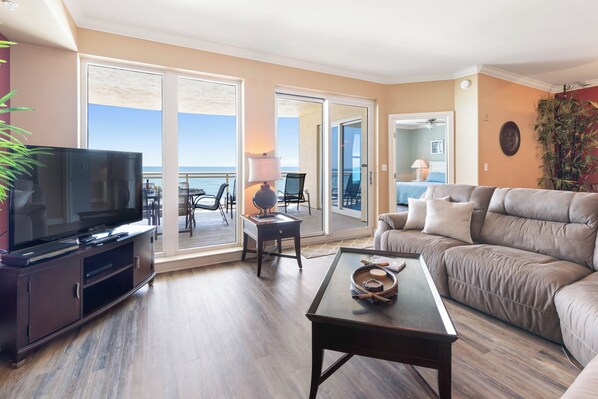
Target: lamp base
264	199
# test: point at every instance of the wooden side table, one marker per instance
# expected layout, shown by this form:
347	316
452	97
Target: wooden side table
274	228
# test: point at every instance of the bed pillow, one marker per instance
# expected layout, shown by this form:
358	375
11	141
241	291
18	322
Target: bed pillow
436	177
416	213
449	219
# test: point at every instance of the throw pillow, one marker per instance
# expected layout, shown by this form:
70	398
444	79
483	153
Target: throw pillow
449	219
416	213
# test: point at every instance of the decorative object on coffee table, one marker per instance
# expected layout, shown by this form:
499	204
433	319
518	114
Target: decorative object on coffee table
378	289
510	138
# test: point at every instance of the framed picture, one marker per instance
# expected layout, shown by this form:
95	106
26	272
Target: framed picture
437	146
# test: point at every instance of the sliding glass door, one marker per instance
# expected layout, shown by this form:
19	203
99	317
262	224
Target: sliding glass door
299	145
349	166
187	128
326	141
124	113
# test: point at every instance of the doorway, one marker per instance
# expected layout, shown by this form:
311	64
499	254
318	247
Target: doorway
421	153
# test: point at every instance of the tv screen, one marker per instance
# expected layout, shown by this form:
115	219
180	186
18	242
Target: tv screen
74	192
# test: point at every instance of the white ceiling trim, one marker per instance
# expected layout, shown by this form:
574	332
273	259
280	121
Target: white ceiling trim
196	44
515	78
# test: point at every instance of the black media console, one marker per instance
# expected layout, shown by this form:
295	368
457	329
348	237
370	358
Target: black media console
49	298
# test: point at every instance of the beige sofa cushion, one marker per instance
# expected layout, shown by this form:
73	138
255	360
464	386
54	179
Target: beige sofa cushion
577	306
416	214
431	247
555	223
511	284
449	219
479	195
585	385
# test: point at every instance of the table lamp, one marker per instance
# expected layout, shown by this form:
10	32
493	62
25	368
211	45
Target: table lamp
264	169
418	165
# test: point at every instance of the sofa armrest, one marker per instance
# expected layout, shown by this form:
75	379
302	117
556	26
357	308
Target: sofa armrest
585	385
394	220
386	222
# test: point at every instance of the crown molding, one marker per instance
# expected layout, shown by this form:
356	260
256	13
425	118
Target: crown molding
223	49
515	78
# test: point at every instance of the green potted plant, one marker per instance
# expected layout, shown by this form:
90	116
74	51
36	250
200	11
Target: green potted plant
15	157
568	134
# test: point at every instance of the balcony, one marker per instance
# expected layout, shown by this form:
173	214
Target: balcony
210	228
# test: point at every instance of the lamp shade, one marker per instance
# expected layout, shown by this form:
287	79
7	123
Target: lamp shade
264	169
419	164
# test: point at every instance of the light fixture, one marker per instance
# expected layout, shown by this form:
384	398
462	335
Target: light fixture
431	123
264	169
10	4
418	165
465	84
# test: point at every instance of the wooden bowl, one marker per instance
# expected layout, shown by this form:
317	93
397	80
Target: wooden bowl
362	274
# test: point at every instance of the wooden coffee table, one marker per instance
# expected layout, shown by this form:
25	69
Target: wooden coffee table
414	329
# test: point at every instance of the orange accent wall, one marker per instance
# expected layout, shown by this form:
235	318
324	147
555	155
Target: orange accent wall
501	101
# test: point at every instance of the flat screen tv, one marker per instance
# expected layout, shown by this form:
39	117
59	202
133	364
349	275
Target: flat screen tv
74	192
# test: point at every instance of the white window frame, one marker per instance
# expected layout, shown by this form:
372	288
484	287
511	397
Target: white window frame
170	77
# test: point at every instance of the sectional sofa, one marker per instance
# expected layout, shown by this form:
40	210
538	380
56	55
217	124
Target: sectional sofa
532	259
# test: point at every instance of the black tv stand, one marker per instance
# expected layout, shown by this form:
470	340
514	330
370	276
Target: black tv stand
51	297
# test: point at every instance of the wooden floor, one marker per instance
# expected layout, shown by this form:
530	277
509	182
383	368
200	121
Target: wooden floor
220	332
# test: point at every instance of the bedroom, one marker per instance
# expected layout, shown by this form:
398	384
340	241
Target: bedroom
420	156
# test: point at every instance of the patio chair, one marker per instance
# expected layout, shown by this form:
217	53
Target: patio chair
294	192
352	193
231	198
186	208
214	202
151	204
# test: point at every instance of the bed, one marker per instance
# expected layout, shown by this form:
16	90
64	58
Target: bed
406	190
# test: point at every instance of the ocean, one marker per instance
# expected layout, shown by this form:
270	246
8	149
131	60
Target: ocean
209	184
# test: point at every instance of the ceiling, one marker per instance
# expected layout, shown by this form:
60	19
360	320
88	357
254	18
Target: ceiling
537	42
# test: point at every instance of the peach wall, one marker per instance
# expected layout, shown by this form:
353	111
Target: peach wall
409	98
46	79
466	131
501	101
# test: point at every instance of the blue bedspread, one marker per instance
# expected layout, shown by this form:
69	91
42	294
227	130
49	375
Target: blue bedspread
411	190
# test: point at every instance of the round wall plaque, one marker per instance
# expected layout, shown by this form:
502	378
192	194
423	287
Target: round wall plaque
510	138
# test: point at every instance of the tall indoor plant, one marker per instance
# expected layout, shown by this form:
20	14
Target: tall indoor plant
568	134
15	157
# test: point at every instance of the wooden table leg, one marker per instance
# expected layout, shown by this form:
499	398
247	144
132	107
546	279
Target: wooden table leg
279	245
317	359
259	246
444	371
245	239
298	250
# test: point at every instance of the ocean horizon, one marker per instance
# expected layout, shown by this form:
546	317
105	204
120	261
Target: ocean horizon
209	184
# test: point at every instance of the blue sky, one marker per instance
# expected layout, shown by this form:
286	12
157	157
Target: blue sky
204	140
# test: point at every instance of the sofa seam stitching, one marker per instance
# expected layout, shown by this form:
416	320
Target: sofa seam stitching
564	325
507	299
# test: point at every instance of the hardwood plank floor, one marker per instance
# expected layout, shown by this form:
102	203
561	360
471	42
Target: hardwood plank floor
220	332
